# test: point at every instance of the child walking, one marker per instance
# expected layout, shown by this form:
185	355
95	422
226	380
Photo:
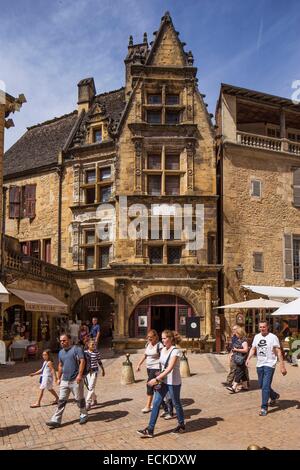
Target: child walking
48	374
94	359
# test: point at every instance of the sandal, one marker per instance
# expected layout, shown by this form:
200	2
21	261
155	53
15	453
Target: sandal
35	405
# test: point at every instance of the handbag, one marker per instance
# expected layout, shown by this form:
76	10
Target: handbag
159	385
239	358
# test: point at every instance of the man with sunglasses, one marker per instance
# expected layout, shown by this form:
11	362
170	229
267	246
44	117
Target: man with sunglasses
70	378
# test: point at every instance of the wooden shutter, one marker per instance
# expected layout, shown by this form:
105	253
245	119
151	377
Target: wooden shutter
29	201
296	186
47	252
288	257
14	202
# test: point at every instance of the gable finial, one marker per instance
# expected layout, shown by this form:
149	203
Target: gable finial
145	40
190	58
166	17
130	41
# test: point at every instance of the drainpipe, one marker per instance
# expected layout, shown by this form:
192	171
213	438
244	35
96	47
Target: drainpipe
59	222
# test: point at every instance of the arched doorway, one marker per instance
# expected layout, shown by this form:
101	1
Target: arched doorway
99	305
160	312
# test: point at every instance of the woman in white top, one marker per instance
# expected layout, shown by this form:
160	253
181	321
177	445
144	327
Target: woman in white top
169	380
151	355
47	376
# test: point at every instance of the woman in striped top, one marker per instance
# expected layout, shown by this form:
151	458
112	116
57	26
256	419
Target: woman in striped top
95	363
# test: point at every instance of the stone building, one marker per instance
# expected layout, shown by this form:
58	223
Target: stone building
38	292
258	149
141	153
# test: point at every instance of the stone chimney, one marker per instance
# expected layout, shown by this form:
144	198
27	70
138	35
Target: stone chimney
86	94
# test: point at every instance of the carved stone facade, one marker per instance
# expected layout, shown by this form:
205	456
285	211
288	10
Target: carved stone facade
153	142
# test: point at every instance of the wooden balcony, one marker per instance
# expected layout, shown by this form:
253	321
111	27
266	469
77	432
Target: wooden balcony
267	143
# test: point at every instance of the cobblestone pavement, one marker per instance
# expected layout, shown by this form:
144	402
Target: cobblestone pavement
215	418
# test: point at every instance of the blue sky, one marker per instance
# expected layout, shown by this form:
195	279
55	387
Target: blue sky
47	47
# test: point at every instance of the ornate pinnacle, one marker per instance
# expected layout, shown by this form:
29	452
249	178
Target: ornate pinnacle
130	41
145	40
190	58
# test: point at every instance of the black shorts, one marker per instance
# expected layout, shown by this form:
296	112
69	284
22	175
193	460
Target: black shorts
152	373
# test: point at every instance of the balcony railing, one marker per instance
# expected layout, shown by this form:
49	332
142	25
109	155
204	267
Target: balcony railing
36	268
259	141
294	148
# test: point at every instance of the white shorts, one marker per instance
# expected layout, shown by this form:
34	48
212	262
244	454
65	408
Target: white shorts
47	383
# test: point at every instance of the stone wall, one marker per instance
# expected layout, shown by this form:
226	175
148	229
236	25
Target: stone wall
45	223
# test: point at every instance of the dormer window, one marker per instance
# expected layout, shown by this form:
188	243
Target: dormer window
97	135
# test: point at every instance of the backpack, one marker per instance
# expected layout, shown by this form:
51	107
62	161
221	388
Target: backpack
87	363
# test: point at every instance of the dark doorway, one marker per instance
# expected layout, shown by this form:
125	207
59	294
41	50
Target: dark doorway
163	318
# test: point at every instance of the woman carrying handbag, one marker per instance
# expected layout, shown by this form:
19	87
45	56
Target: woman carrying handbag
240	352
167	380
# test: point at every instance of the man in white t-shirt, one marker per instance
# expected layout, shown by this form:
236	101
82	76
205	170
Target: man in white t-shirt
267	349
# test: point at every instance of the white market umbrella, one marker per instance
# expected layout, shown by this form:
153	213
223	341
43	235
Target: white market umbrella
256	303
292	308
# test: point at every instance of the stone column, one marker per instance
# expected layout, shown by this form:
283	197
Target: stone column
190	150
121	310
285	144
138	145
208	309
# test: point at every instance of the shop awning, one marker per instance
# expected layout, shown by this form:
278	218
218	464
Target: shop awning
36	302
274	292
4	294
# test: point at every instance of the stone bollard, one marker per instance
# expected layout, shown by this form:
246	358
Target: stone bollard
127	376
184	365
256	447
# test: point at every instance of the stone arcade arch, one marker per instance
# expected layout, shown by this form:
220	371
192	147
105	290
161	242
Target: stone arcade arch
160	311
95	304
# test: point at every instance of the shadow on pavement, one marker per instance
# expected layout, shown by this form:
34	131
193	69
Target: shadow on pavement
202	423
284	405
107	416
111	403
192	412
192	426
9	430
187	401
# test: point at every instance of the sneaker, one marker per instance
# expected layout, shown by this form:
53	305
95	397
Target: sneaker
274	402
53	424
145	433
263	412
168	416
83	419
180	429
163	414
146	410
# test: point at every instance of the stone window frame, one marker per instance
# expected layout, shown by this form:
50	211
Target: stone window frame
98	184
163	107
253	196
97	245
164	151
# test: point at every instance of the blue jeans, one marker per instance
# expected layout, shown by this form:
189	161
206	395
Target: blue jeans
159	395
265	377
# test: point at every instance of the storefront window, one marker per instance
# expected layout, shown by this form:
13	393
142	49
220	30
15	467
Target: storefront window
17	323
